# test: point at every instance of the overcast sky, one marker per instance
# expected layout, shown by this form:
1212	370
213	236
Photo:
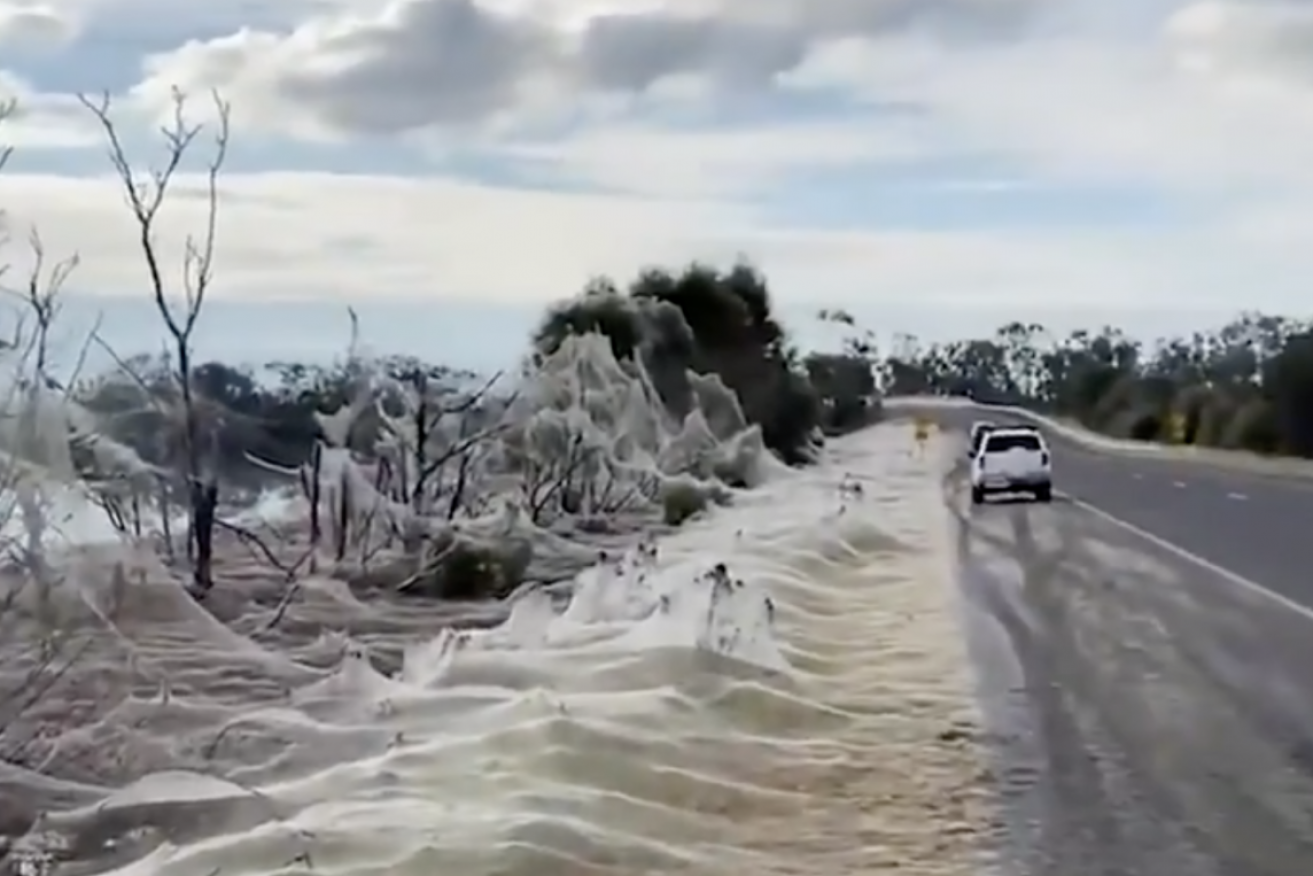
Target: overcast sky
450	166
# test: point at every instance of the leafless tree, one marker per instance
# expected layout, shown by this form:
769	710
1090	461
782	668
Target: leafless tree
431	466
860	342
7	108
40	294
548	480
128	504
427	442
146	194
41	646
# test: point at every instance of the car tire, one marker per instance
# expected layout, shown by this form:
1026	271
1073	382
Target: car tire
1044	493
977	496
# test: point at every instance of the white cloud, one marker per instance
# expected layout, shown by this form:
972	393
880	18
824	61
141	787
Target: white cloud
1084	109
325	236
1214	101
413	64
42	121
1217	96
136	23
1181	111
738	161
32	25
1264	38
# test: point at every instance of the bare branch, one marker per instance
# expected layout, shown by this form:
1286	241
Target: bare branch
7	109
145	194
258	546
40	295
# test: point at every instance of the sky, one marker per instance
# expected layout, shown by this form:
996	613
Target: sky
450	167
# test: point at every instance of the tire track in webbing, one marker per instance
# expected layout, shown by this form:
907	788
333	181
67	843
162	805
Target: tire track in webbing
1247	820
1104	679
1052	775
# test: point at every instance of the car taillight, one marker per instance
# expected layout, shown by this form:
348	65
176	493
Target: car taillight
1044	458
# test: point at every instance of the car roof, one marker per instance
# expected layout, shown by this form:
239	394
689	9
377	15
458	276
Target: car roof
1016	430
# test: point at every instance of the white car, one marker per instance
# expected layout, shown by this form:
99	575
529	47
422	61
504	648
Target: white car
1012	461
979	429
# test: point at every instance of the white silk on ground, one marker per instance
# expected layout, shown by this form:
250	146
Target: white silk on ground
778	687
799	711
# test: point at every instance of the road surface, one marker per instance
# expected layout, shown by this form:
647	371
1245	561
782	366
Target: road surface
1257	526
1151	714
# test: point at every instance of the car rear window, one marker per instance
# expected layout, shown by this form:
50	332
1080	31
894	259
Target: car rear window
996	443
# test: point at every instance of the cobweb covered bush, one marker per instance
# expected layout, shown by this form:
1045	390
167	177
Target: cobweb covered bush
117	670
702	321
52	447
462	491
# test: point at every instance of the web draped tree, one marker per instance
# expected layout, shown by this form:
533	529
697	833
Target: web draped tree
146	193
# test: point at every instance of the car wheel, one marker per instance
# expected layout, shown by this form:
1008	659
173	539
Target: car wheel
977	496
1044	493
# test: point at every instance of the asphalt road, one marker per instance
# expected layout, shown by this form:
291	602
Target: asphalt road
1150	715
1256	526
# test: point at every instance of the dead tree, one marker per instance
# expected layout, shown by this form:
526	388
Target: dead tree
40	296
425	453
40	293
550	482
145	195
7	107
37	641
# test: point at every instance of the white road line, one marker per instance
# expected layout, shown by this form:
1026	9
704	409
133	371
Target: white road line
1239	497
1138	476
1235	578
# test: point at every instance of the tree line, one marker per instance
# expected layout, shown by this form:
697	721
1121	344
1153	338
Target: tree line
1246	385
697	318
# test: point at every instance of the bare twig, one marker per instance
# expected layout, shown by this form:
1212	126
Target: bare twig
145	196
262	549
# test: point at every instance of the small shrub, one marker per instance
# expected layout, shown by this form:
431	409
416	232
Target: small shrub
466	571
1191	404
1140	422
683	500
1253	428
1214	416
1112	404
1145	425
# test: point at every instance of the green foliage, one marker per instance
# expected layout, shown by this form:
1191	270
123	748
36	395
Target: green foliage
845	388
705	320
1254	427
600	309
1288	387
1247	385
681	502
